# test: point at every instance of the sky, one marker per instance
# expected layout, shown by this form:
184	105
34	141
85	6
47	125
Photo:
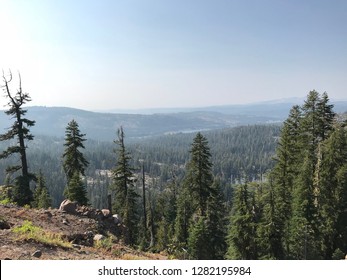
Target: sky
133	54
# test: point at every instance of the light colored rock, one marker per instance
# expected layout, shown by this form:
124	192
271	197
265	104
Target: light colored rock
98	237
68	206
106	213
117	219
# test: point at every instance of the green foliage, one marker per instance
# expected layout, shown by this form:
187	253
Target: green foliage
5	201
198	240
292	207
165	210
74	164
184	214
28	231
216	223
200	220
27	228
125	202
242	236
272	225
22	193
305	202
249	149
105	243
76	191
6	194
20	130
74	160
42	198
199	176
330	181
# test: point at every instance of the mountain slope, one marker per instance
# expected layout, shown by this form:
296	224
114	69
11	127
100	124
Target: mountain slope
52	121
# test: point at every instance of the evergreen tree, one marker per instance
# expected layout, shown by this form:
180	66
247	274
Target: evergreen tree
199	175
292	214
332	203
200	207
125	202
198	240
242	237
183	218
22	193
42	198
271	229
278	199
74	160
341	237
303	224
45	200
326	117
74	164
76	190
316	126
216	223
166	212
193	196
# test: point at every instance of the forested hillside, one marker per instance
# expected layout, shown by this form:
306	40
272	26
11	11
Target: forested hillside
51	121
300	213
103	126
236	152
248	192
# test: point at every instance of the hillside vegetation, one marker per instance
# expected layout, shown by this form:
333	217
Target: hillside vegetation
247	192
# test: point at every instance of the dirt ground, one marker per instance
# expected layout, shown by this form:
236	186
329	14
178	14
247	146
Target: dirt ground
74	228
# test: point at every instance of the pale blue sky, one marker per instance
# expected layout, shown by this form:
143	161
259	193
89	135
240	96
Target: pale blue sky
130	54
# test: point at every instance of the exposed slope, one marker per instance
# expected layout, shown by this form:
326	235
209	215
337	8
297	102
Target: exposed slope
72	228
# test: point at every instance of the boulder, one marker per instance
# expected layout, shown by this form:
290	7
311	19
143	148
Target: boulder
117	219
37	254
98	237
4	224
68	206
85	239
106	213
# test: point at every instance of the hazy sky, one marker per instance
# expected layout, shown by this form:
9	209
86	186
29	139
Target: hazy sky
106	54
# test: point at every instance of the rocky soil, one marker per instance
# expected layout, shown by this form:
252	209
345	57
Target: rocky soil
79	229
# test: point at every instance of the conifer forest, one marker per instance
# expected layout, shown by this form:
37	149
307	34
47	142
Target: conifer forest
263	191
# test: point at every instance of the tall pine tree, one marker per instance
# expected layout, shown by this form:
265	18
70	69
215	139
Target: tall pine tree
199	174
331	202
126	198
20	130
74	163
42	199
278	204
242	237
296	191
200	207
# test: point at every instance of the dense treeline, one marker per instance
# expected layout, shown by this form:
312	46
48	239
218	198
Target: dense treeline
300	213
235	153
251	192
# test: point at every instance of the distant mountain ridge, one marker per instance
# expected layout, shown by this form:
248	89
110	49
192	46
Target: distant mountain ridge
260	108
52	121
